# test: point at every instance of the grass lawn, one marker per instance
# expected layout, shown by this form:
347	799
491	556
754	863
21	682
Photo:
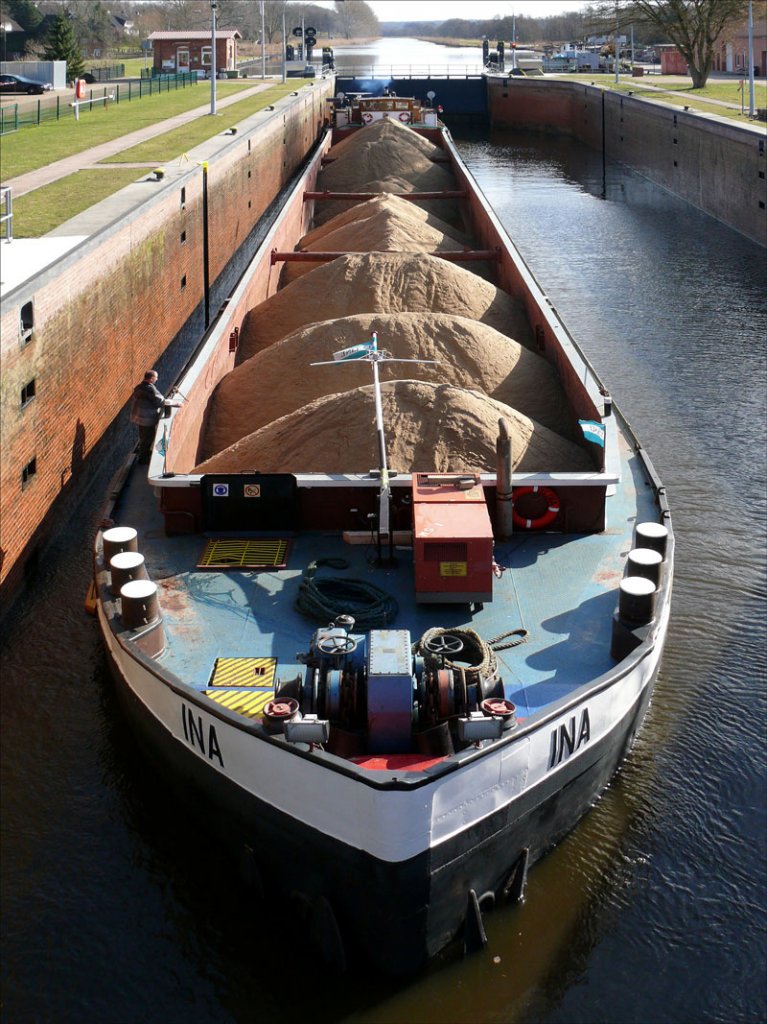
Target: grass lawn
38	212
679	92
181	140
44	144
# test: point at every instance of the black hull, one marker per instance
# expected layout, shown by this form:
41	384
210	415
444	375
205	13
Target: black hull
391	916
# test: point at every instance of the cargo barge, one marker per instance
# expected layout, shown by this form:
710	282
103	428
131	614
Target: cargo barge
394	684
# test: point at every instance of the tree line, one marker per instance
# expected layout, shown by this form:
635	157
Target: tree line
93	23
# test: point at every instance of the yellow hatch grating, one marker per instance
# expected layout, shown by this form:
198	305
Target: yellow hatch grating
264	553
250	703
244	672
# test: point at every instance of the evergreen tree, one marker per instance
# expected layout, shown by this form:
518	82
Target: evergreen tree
61	44
25	13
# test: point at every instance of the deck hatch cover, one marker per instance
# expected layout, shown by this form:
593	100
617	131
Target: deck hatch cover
258	672
241	553
250	703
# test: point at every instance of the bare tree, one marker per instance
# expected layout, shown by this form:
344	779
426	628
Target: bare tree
355	19
694	26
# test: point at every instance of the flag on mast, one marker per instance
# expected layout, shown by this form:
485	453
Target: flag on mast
357	351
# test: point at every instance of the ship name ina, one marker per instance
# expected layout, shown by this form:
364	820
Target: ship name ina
566	738
194	734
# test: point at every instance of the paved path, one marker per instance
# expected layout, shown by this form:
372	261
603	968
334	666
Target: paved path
24	183
690	99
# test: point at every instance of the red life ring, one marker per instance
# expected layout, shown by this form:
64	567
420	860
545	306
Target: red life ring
540	522
367	117
405	116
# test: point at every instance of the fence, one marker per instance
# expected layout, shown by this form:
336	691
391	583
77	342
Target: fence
106	74
14	116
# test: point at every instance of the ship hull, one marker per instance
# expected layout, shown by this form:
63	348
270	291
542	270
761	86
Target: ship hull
393	915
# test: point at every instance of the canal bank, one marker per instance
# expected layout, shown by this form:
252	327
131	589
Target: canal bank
141	282
714	164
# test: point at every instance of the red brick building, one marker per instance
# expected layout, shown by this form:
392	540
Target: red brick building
191	50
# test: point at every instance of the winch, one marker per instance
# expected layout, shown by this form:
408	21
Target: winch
382	694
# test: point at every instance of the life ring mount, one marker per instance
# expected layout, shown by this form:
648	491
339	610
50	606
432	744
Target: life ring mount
546	518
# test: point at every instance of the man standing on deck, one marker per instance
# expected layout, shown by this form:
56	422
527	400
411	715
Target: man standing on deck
145	413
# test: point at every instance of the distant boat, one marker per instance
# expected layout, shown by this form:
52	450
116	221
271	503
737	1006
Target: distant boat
393	688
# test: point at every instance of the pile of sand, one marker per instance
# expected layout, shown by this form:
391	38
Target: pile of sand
404	208
391	134
386	228
275	412
381	283
280	379
386	156
429	427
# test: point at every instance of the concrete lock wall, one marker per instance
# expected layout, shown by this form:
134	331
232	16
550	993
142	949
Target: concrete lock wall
717	166
84	330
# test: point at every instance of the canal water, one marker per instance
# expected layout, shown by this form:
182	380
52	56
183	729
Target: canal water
118	908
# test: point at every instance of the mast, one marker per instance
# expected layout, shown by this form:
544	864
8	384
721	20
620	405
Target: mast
370	353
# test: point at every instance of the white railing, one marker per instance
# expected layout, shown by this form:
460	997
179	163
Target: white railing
6	217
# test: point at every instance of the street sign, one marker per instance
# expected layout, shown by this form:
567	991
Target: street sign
298	31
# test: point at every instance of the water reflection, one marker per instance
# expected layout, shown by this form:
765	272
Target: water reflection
404	57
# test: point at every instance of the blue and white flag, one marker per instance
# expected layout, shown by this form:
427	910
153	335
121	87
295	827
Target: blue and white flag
357	351
593	431
354	352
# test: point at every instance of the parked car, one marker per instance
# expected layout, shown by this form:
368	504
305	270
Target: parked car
18	83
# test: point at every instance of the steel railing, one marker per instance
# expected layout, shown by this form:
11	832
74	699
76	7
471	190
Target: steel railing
14	116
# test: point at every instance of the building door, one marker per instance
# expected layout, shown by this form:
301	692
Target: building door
182	59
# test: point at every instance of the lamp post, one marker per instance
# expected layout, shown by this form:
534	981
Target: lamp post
751	103
213	8
263	43
284	50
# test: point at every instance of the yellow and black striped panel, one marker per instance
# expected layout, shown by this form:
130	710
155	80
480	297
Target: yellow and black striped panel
250	703
243	672
258	553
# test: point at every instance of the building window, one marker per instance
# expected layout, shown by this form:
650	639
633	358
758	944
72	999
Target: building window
183	238
206	56
26	322
28	472
183	283
27	393
183	198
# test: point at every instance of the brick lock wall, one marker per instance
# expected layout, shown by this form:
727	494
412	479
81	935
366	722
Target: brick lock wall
106	312
716	166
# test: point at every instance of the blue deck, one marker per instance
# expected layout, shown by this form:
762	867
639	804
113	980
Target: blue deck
561	588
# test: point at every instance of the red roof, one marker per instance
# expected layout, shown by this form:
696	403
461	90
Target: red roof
226	33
